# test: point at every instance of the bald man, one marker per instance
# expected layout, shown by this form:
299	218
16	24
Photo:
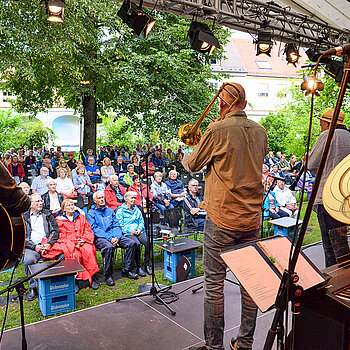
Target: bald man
233	149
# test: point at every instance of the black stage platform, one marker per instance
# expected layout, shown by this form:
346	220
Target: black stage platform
142	324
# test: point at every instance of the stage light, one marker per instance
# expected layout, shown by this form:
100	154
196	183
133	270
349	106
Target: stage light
311	86
264	43
136	19
55	10
202	38
292	54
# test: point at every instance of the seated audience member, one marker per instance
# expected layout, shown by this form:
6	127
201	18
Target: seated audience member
55	159
194	216
62	164
16	169
107	170
120	166
270	160
170	154
131	221
30	158
177	164
151	167
52	199
141	190
265	173
93	170
76	233
39	184
74	171
39	155
7	159
108	236
114	193
285	167
271	206
64	184
286	199
89	153
59	151
21	156
125	156
137	167
41	234
128	178
81	182
177	189
25	188
52	170
103	153
161	193
114	153
71	161
276	173
138	150
165	158
157	160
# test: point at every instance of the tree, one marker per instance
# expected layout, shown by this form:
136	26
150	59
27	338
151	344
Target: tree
156	83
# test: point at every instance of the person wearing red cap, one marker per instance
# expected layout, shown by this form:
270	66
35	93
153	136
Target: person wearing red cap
71	161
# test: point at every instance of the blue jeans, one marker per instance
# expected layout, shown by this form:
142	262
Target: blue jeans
280	214
162	207
327	223
216	239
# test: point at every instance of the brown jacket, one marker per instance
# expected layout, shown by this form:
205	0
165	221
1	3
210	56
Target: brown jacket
233	150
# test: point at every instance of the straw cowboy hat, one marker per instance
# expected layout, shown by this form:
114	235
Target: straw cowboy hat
328	115
336	192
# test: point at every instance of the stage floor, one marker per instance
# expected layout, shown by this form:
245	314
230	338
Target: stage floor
141	323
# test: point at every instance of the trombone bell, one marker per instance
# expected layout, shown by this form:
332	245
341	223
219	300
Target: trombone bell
189	139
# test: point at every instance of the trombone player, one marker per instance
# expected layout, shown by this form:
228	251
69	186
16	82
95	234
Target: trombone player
233	148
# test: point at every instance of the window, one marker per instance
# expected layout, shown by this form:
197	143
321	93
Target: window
263	64
263	90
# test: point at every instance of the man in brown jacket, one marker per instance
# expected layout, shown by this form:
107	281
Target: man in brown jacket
233	150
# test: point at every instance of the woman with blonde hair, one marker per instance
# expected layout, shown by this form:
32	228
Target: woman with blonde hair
62	164
64	184
107	170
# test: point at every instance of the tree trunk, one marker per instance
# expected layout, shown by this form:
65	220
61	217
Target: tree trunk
90	116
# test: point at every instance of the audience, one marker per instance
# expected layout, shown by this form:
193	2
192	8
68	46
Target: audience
93	170
114	193
25	188
137	167
79	239
157	160
41	234
271	206
128	179
270	160
71	161
16	169
39	184
52	170
120	166
286	199
141	192
107	170
161	193
131	221
177	189
89	153
151	167
177	164
194	216
52	199
108	236
62	164
81	182
30	158
64	184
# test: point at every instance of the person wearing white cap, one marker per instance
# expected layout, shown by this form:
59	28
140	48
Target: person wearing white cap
339	149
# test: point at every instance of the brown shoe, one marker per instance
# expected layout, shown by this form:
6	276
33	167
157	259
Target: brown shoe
233	345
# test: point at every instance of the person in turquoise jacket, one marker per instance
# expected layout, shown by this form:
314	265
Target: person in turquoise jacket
271	207
133	227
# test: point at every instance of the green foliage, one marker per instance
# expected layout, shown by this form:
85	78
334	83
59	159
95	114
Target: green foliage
157	83
295	117
17	131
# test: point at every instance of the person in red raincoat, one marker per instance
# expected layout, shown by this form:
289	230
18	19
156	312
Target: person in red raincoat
141	190
76	241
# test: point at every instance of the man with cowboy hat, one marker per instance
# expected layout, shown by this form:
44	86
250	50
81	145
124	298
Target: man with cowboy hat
339	149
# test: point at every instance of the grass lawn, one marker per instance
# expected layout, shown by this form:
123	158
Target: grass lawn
123	286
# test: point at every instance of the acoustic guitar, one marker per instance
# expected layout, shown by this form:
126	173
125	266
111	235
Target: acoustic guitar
12	238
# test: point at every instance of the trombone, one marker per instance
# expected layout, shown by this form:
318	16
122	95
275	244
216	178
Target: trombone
189	133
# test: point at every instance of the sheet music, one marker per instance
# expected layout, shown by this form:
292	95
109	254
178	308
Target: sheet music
278	248
256	276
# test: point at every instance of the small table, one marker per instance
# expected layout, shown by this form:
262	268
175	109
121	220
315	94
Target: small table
173	253
57	286
285	226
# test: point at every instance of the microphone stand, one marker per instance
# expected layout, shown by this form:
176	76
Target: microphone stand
288	286
20	289
150	290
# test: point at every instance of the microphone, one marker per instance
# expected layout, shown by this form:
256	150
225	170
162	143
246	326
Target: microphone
278	178
339	50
